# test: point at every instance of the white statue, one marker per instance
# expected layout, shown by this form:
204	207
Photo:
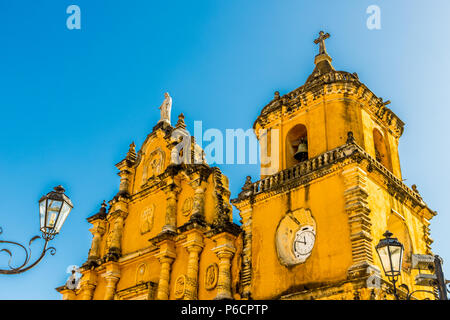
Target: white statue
165	108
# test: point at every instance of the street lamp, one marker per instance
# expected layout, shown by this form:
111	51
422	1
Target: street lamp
54	208
390	251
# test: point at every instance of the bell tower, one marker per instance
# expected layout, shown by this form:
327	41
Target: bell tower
330	186
317	116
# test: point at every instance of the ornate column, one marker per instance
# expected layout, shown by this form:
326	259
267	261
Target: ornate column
358	212
246	273
194	245
88	284
124	182
114	240
111	276
198	211
171	209
224	250
125	170
166	257
98	230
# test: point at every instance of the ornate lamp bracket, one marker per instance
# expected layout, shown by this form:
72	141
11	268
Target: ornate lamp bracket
25	265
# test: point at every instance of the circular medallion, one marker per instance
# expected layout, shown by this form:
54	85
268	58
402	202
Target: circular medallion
180	285
211	276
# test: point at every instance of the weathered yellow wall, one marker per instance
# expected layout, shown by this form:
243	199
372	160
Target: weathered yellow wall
331	255
352	204
381	204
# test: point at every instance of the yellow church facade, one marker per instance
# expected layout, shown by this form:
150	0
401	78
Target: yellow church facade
331	185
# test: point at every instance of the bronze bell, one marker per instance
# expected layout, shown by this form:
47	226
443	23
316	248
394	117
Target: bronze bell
302	151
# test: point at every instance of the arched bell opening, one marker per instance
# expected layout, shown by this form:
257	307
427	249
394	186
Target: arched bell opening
381	151
296	145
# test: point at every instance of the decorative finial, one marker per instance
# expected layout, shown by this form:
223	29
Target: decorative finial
59	189
321	41
350	138
387	234
180	123
132	148
131	155
103	208
248	183
277	95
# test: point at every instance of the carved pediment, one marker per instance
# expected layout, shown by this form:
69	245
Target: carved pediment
154	164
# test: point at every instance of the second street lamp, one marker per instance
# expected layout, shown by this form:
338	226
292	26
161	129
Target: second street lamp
390	251
54	208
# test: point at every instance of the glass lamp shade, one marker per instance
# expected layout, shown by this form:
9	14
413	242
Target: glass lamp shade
390	251
53	211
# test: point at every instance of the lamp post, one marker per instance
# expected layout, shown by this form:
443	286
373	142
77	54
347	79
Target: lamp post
54	208
390	251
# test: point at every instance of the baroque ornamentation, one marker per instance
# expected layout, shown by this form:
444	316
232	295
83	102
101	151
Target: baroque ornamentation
154	165
114	238
157	158
187	206
140	273
109	237
97	231
211	276
147	219
179	288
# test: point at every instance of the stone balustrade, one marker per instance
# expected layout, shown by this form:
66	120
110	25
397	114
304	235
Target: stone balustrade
328	158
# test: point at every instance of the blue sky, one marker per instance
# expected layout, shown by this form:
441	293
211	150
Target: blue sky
73	100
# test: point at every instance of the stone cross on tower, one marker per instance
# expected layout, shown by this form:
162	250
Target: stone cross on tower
321	40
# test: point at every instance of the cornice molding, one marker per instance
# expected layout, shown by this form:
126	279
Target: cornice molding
333	83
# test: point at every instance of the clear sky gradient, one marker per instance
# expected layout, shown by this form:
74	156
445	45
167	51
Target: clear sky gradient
73	100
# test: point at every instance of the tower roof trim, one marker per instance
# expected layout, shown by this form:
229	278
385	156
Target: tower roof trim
319	84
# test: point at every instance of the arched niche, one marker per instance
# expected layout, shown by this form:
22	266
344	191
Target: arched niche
296	136
400	230
141	273
381	150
